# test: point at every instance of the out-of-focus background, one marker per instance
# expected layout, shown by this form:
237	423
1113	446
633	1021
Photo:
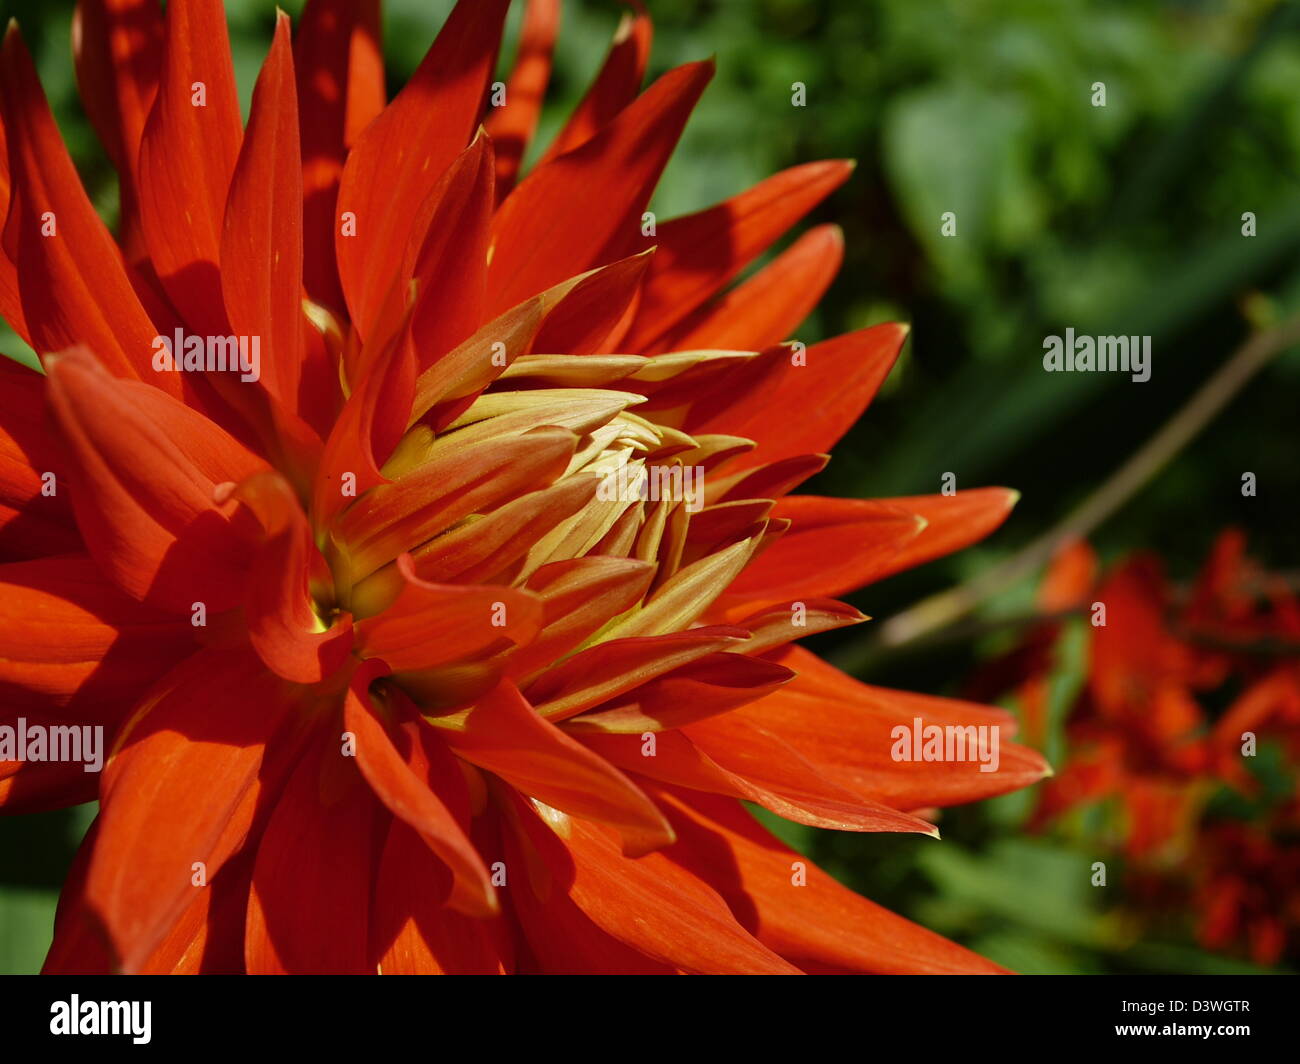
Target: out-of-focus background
1121	219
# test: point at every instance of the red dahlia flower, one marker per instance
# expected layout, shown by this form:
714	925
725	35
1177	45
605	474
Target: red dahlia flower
403	666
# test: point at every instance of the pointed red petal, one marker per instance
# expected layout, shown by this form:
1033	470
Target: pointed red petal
143	469
512	125
504	734
282	625
179	790
952	523
704	688
33	522
847	731
187	156
73	283
434	625
340	74
401	155
584	207
767	772
679	920
768	307
615	86
775	768
368	427
413	933
404	785
609	669
559	938
72	645
11	304
808	918
837	378
322	835
450	268
832	546
261	239
701	252
117	45
585	320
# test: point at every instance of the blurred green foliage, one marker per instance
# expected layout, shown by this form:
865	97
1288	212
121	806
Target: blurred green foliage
1122	219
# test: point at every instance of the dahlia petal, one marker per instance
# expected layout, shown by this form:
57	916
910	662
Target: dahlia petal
413	933
79	946
779	777
699	253
486	550
610	668
439	624
846	731
724	523
768	307
679	920
340	74
775	626
593	371
188	155
474	364
39	786
584	322
73	283
814	921
401	155
687	594
404	785
952	523
117	45
836	378
832	546
704	688
615	86
322	831
33	523
154	527
585	206
206	939
772	480
559	937
413	508
450	267
675	759
179	789
261	237
580	410
368	427
282	625
11	303
505	735
73	647
512	125
579	597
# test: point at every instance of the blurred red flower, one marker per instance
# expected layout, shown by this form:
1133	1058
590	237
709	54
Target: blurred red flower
1183	689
